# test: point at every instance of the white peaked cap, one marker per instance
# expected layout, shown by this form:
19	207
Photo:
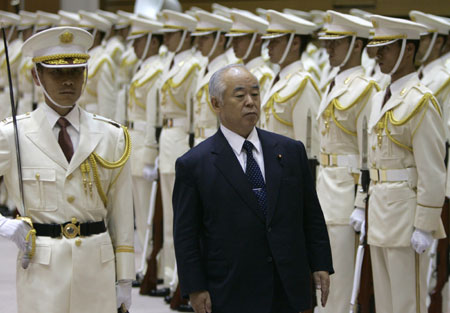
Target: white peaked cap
220	10
340	25
318	16
113	18
209	23
27	19
432	22
8	18
53	47
142	26
261	12
68	18
46	19
389	29
124	19
281	24
245	22
361	13
92	20
303	14
176	21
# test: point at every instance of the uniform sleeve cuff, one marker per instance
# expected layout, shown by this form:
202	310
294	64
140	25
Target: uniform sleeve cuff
125	265
427	218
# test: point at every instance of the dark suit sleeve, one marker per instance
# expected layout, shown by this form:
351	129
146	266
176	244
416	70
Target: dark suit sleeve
187	225
316	233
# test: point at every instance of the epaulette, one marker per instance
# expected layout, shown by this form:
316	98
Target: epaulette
105	58
8	120
107	120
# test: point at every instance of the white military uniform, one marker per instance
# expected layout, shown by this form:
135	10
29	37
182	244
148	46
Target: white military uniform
407	190
263	74
115	48
291	105
176	93
15	55
342	111
142	120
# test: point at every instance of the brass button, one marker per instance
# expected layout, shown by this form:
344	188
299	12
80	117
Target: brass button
71	199
374	148
78	242
69	177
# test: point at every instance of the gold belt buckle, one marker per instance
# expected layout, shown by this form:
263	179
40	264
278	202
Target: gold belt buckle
71	230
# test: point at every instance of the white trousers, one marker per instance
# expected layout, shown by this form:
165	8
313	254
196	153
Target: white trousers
168	252
142	190
395	281
343	248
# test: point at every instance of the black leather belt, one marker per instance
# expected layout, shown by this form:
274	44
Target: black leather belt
70	229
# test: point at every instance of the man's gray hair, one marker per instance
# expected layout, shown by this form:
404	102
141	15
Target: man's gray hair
217	84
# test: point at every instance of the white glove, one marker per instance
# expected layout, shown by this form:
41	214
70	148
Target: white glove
150	172
421	240
15	230
123	293
357	218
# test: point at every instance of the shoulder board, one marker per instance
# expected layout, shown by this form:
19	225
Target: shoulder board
9	120
294	85
107	120
364	86
186	73
104	59
403	113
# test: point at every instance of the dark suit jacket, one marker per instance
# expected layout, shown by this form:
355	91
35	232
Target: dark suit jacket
224	244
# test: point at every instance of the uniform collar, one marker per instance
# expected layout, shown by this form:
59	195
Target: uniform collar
216	62
293	67
342	76
237	141
182	55
398	85
429	68
73	116
254	63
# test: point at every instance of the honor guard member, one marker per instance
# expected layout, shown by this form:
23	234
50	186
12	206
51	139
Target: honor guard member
176	93
343	108
68	18
100	94
45	20
142	114
127	67
407	172
446	50
10	22
246	31
226	12
432	72
291	105
115	45
28	94
76	229
211	30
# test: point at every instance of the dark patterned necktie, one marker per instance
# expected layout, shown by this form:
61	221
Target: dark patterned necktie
64	138
331	85
255	177
387	95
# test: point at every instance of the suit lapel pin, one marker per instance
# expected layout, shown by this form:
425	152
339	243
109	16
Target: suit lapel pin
279	156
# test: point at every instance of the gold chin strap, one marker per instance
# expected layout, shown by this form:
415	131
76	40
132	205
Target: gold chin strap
31	235
95	159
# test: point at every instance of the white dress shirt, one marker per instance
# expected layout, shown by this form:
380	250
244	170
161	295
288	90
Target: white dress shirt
74	119
237	141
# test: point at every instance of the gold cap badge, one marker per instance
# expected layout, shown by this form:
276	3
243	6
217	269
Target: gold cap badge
66	37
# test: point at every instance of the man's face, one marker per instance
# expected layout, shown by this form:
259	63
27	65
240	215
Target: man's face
387	56
337	50
172	40
239	111
277	46
372	52
64	85
423	46
205	43
139	46
240	45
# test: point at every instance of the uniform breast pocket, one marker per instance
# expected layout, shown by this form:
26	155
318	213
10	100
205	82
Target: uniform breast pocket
40	188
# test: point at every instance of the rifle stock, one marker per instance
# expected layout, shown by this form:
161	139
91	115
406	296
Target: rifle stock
150	279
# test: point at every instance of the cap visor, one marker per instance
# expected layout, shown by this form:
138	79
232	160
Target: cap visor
132	37
333	37
198	34
380	43
237	34
273	36
63	65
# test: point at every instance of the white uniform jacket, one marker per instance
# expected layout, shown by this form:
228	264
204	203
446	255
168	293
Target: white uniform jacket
341	116
177	90
100	94
263	73
78	274
290	107
142	113
406	153
205	119
115	48
15	56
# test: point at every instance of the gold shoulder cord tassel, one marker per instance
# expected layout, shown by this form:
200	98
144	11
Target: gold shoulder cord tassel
95	159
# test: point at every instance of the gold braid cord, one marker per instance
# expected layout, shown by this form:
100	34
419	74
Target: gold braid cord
95	160
30	236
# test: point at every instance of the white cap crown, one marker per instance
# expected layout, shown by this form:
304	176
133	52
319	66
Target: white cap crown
245	23
209	23
340	25
176	21
432	22
281	24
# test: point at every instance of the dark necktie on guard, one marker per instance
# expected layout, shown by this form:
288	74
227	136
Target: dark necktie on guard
333	82
387	95
255	178
64	138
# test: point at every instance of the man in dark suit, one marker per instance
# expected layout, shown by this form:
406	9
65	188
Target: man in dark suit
248	228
